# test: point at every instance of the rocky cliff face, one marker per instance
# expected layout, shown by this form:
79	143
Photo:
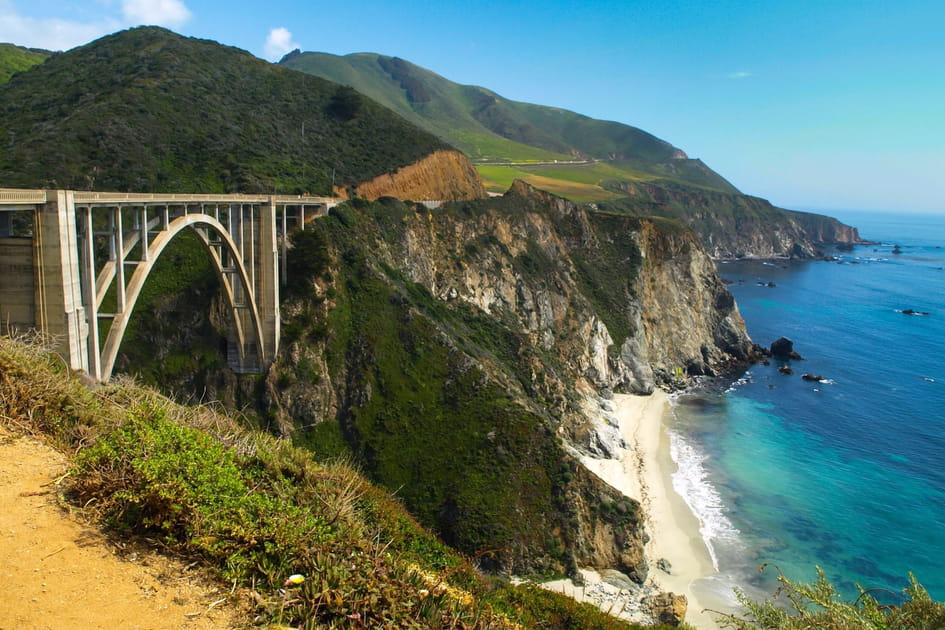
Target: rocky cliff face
442	175
456	351
735	225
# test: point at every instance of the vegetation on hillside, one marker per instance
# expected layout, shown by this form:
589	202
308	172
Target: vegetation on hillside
488	127
571	155
259	511
468	456
14	59
148	110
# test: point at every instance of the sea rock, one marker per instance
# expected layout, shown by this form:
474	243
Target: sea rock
783	348
909	311
668	608
785	369
812	377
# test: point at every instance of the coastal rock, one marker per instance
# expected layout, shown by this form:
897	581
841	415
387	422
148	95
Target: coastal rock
813	377
783	348
667	608
784	369
909	311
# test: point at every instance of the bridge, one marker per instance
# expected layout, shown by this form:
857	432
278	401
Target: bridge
72	265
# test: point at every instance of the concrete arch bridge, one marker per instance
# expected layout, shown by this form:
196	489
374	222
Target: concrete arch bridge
55	278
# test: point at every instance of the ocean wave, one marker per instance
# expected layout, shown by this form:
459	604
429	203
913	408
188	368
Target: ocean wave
691	481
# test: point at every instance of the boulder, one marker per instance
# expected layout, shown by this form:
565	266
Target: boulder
783	348
784	369
812	377
667	608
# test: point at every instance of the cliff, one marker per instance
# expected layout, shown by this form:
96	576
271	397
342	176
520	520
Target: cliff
735	225
459	353
442	175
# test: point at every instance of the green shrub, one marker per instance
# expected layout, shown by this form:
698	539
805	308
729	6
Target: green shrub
818	605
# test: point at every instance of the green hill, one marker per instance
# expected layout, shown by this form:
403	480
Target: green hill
580	158
490	128
149	110
15	59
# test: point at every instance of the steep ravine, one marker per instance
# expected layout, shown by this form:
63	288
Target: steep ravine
456	354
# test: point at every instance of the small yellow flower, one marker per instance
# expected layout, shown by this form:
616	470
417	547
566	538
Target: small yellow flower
294	580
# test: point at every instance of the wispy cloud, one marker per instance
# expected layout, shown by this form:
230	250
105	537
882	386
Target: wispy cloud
63	34
739	75
279	43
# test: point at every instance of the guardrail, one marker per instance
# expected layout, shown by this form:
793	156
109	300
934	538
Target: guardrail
14	196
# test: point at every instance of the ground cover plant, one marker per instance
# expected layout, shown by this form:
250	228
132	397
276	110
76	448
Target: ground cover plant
310	545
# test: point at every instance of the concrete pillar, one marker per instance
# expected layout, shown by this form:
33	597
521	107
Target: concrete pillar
59	310
267	280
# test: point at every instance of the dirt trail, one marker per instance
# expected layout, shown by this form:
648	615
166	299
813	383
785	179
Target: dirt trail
57	573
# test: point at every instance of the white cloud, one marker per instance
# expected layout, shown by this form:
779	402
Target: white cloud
172	13
739	75
279	43
50	33
63	34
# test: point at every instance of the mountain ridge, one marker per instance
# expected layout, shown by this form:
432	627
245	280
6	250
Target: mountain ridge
622	167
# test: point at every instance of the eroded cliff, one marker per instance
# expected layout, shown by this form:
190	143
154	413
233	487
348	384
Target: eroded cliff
733	225
454	352
442	175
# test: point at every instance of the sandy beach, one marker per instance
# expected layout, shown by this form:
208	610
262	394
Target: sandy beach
643	470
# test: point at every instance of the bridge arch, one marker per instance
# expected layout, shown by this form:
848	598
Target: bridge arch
240	289
64	296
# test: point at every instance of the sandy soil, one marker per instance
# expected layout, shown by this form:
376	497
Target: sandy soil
59	573
644	472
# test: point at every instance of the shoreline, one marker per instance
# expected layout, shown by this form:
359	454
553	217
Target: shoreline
643	469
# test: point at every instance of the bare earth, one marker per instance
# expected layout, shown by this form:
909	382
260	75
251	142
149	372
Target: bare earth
58	573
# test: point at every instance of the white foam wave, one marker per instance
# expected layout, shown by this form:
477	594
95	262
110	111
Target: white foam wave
691	481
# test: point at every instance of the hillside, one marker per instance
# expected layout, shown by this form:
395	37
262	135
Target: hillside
451	351
15	59
249	510
624	168
149	110
488	127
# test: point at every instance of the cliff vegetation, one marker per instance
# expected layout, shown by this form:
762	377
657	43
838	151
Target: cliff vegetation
458	354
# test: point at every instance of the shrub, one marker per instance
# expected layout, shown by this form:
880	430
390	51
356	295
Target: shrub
818	605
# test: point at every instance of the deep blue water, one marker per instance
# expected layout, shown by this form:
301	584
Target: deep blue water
847	474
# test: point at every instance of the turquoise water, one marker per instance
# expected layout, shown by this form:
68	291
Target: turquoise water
847	473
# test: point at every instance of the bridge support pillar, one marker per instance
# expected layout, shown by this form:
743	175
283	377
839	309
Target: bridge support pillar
59	309
267	280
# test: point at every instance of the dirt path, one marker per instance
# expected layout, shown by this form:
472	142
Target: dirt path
57	573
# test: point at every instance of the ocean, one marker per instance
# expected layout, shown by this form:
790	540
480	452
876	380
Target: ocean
846	473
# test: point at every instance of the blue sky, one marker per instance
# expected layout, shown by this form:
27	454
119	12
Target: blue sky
813	104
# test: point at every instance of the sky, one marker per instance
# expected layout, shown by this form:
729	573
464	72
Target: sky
812	104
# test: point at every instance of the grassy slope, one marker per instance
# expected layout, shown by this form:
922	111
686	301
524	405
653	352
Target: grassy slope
489	127
15	59
257	510
148	110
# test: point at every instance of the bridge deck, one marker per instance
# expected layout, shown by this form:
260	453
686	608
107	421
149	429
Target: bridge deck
21	197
